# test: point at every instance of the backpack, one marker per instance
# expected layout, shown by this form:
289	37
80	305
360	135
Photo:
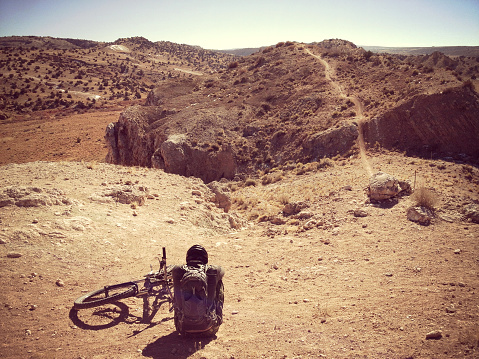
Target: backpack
195	312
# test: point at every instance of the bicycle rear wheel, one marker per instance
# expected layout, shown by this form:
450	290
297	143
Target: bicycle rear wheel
106	295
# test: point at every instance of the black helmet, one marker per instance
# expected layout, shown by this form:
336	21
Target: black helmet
197	254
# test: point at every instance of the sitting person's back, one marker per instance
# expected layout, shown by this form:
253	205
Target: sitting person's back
199	296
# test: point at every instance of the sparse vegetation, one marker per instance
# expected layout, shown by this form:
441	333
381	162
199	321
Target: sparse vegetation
425	197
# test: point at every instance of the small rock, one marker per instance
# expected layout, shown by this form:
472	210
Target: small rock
234	312
35	221
195	192
457	251
14	255
450	310
277	220
60	283
360	213
306	300
3	241
435	334
310	225
388	274
28	332
32	307
421	215
135	214
304	215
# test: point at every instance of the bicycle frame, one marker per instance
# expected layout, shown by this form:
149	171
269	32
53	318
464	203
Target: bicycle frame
149	287
156	284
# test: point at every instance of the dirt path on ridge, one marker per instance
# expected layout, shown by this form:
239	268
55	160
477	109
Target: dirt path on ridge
330	75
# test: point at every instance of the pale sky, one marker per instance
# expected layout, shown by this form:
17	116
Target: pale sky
225	24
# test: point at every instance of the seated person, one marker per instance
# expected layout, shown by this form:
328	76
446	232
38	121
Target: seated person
198	294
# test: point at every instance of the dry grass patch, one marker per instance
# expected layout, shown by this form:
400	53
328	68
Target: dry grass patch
425	197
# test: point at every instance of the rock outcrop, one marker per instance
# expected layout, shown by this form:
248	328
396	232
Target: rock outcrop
222	196
32	197
331	142
428	124
177	155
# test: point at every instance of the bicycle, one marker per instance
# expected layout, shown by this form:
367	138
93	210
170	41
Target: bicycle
158	283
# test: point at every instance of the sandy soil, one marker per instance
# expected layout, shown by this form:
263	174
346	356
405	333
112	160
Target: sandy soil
355	287
56	137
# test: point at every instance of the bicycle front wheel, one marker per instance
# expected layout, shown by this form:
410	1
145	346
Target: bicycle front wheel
107	294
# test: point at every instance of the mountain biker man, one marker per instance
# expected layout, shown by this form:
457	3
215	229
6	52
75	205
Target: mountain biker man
198	294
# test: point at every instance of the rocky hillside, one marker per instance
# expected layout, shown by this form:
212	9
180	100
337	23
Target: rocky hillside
296	103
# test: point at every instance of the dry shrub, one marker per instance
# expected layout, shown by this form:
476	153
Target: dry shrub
425	197
233	186
233	65
283	198
325	163
243	203
272	178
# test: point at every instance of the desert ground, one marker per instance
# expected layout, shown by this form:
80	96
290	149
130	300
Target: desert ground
353	287
341	278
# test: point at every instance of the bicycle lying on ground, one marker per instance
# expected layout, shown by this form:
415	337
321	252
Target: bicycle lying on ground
156	283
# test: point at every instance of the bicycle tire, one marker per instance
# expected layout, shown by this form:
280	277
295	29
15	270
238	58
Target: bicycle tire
99	297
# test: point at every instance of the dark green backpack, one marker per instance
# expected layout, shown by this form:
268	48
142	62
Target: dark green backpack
195	312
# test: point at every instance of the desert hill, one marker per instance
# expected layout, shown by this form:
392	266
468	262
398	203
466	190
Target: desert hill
68	75
471	51
314	267
298	103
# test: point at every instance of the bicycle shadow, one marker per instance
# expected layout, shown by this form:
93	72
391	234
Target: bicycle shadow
100	318
111	314
175	346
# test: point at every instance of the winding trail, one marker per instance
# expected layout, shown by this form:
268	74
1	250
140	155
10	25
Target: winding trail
329	73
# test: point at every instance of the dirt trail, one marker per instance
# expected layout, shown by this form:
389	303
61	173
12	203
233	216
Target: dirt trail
329	73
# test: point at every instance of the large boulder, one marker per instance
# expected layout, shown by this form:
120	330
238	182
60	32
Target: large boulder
383	186
178	155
